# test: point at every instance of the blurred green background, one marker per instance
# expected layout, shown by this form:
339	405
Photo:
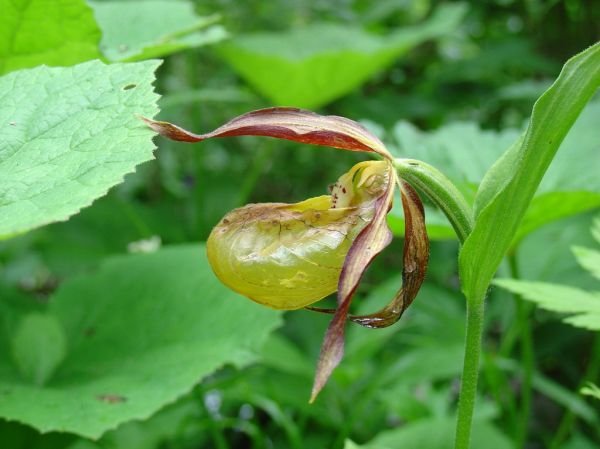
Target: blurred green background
450	83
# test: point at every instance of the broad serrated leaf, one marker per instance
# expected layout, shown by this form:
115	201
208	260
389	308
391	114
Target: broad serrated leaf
517	176
34	32
141	332
312	66
582	307
68	135
134	30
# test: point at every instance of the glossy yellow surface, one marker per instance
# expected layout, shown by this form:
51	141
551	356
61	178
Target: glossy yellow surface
287	256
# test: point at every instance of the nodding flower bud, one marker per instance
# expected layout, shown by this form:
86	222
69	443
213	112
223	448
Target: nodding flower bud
287	256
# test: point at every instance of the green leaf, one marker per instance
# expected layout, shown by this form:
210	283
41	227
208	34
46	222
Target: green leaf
553	206
555	262
141	332
588	259
461	150
312	66
464	152
591	390
570	169
156	432
134	30
34	32
39	346
279	353
517	175
582	307
68	135
435	433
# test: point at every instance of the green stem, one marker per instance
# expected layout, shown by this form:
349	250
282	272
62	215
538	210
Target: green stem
441	191
470	374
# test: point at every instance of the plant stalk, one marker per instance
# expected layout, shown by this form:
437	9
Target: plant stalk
470	374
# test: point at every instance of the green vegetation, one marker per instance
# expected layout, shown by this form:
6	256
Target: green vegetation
116	334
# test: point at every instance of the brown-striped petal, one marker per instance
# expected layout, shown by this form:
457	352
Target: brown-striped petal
370	242
294	124
416	256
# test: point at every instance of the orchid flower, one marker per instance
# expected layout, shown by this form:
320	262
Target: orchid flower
289	256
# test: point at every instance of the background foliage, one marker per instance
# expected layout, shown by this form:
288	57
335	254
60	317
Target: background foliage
115	334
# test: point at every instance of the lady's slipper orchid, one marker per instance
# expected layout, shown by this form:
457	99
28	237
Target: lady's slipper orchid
288	256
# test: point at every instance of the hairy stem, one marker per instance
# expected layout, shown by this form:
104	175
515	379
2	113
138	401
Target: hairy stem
470	374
